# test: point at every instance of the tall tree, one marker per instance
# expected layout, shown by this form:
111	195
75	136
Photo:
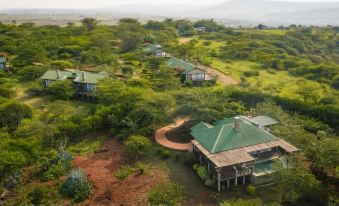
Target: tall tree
90	23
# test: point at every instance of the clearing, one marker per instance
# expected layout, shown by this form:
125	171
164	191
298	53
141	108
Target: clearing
107	189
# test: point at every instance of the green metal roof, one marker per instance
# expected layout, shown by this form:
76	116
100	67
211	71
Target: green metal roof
222	136
3	60
77	76
150	48
178	63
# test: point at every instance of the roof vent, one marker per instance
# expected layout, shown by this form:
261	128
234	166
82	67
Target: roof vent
237	124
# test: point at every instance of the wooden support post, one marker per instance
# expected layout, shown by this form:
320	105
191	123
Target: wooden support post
236	178
200	158
243	180
219	185
228	184
208	168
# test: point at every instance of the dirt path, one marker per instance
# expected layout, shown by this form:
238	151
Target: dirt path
160	137
185	40
223	78
108	190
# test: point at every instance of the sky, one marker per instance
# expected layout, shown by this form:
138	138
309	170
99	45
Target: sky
94	4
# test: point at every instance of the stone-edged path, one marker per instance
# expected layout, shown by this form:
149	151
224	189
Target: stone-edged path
160	137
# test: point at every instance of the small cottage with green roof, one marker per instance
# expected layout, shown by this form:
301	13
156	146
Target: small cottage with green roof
84	82
238	149
188	72
155	50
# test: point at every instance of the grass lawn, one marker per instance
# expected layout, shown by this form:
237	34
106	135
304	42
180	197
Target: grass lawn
235	69
266	31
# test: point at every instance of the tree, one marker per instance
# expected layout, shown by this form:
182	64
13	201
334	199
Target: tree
9	162
62	90
90	23
138	145
12	113
335	83
297	184
165	78
61	64
28	53
29	73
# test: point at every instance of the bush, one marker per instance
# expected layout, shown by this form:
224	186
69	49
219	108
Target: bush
52	172
251	73
29	73
61	64
165	154
166	194
76	186
62	90
138	145
203	174
251	189
125	171
37	195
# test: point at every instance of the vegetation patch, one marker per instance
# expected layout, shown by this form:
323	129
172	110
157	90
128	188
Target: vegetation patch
125	171
166	193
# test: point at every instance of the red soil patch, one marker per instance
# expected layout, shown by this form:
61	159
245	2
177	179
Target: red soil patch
108	190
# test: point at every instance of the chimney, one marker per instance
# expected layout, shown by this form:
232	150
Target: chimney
237	124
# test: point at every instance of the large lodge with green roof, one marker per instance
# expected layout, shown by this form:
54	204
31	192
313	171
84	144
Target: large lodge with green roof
83	82
239	149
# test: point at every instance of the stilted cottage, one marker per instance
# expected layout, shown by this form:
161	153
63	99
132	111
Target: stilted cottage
83	82
188	72
239	150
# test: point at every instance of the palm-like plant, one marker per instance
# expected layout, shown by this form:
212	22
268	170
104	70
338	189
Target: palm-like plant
76	186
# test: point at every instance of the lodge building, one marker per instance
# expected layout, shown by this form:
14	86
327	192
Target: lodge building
239	150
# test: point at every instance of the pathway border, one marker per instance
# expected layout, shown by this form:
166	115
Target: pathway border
160	137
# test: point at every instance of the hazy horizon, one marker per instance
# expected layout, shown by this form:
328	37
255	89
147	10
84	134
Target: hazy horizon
100	4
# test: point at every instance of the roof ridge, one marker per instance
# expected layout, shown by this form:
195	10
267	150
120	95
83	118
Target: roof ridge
217	140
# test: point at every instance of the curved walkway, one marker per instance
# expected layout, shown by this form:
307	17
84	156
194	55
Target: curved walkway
160	137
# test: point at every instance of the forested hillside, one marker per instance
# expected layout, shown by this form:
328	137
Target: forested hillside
288	73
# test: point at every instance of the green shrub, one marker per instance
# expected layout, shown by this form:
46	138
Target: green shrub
125	171
76	186
29	73
62	90
37	195
251	189
52	172
166	194
165	154
138	145
203	174
251	73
